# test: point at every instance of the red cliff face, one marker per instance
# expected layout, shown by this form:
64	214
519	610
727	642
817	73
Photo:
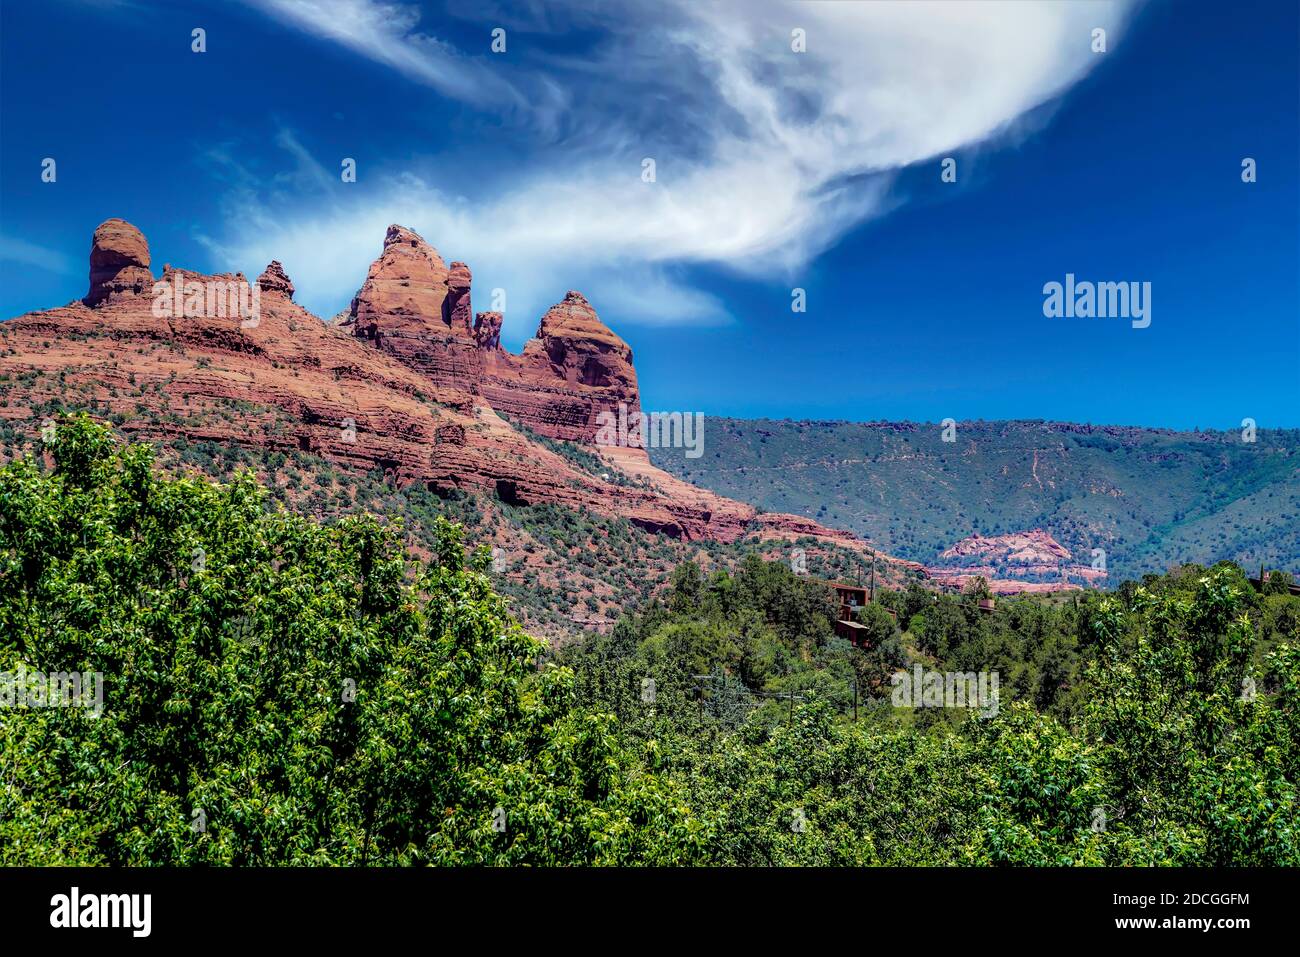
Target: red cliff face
404	382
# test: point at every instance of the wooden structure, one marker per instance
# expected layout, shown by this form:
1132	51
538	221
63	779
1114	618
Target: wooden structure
850	600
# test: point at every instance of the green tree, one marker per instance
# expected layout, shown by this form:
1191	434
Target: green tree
277	691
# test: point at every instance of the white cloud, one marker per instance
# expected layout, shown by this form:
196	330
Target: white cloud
30	254
764	156
389	33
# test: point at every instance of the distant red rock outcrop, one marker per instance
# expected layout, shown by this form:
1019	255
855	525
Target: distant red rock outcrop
1031	561
1020	548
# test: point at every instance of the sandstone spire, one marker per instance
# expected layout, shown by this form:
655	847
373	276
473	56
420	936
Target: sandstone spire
119	263
274	279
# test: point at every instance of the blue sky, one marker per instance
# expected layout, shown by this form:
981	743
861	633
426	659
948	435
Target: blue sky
774	170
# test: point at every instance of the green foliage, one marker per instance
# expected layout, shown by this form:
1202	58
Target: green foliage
1125	735
281	692
1278	583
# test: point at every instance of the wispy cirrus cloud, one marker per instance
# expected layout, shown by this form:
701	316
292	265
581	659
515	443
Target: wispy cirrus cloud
764	156
389	33
25	253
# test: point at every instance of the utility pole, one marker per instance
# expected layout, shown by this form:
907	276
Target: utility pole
873	576
699	690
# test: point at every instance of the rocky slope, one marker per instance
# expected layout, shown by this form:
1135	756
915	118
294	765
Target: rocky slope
405	382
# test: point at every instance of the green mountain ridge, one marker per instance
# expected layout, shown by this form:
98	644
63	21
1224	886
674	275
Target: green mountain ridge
1151	498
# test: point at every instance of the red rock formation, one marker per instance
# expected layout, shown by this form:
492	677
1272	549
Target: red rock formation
455	308
274	280
119	263
418	310
1005	561
487	330
571	371
402	383
404	289
1021	548
403	309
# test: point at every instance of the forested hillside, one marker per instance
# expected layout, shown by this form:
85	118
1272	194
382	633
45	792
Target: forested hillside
563	570
279	691
1150	498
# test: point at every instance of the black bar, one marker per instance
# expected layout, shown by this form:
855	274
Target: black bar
329	906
